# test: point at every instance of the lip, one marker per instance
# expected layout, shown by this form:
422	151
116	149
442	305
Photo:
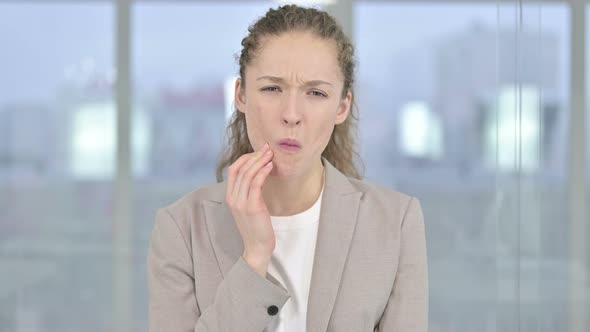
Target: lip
289	145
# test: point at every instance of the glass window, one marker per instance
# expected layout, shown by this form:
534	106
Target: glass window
56	166
466	107
463	104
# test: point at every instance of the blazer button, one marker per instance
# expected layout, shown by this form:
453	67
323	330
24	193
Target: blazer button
272	310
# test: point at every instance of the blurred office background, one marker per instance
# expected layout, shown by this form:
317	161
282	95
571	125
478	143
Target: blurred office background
111	109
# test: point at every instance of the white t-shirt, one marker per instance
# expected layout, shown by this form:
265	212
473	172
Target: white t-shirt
292	263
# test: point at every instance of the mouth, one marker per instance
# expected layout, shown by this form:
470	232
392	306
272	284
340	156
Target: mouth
289	145
290	142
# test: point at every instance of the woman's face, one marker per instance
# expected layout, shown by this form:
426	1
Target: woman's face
293	90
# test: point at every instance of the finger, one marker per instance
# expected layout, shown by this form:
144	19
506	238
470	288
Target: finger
241	171
255	193
250	173
233	170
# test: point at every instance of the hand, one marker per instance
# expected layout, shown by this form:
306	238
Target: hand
244	198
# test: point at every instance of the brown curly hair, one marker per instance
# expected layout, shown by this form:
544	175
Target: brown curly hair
341	150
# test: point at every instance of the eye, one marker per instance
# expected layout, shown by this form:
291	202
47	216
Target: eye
271	88
318	93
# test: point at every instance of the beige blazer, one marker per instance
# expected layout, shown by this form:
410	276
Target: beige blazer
369	271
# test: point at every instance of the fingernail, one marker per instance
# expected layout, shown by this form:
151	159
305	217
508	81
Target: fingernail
268	152
265	146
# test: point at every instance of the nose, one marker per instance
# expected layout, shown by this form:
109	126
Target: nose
291	115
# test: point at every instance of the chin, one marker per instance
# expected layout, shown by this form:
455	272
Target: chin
281	170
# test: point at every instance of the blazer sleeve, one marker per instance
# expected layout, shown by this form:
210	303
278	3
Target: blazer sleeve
241	299
407	307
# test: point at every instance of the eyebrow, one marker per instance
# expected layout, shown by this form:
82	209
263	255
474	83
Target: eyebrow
281	80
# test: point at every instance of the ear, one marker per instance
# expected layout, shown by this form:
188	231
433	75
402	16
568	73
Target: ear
344	108
239	96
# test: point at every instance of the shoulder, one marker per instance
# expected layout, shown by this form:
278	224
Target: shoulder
379	193
389	200
187	208
193	199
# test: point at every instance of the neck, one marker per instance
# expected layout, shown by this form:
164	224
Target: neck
286	197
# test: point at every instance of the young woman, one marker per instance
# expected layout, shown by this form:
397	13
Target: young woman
294	240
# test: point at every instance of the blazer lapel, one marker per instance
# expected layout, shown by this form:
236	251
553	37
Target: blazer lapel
338	217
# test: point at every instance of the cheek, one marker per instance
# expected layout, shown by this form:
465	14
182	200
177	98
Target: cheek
327	133
256	127
324	130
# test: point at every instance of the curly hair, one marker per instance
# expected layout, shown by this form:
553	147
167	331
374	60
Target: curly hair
341	150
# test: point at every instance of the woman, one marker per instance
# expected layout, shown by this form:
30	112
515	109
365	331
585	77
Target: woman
294	240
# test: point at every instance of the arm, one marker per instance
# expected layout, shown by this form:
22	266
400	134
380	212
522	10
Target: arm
407	308
241	299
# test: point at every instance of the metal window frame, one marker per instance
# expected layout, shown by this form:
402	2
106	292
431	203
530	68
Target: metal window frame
577	182
123	216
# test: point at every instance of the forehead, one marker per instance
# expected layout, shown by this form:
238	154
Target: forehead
297	53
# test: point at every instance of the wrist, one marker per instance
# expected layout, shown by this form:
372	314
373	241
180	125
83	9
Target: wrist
259	263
